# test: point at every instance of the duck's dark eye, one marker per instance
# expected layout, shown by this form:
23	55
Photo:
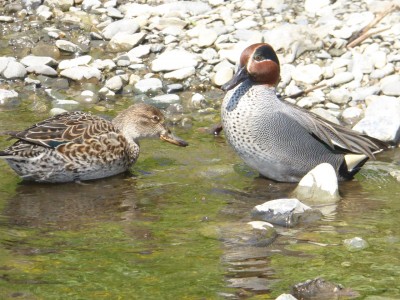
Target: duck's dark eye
258	58
156	119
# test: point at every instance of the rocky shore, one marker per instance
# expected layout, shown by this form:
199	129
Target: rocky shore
177	54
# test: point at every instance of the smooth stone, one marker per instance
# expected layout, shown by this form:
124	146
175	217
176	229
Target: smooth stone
33	60
128	26
81	72
103	64
65	104
67	46
351	115
319	288
355	244
245	24
198	100
285	212
6	19
379	59
181	73
123	41
286	297
308	74
390	85
313	6
286	74
56	111
254	233
222	76
361	93
42	69
339	96
44	13
149	85
207	38
325	114
7	94
163	101
70	63
87	97
115	83
13	70
209	54
184	7
320	185
139	51
173	88
88	5
174	60
340	79
380	73
382	118
64	5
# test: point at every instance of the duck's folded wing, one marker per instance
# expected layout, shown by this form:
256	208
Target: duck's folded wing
64	128
336	136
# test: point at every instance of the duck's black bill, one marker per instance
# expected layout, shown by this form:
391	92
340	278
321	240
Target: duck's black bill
240	76
170	138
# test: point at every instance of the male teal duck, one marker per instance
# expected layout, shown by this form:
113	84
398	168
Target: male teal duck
76	146
280	140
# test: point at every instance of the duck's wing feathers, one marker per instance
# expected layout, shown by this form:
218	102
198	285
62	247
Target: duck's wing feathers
64	128
335	136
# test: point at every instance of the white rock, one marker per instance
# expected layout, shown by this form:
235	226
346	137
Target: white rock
382	118
222	76
7	94
360	94
207	38
149	85
390	85
114	83
167	99
355	244
351	115
103	64
14	70
313	6
209	54
320	185
340	78
379	59
139	51
174	60
380	73
286	297
81	72
42	69
285	212
67	46
56	111
128	26
123	41
180	74
32	60
246	24
309	74
339	96
70	63
198	100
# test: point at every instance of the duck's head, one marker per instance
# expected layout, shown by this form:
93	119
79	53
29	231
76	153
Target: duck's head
145	121
258	63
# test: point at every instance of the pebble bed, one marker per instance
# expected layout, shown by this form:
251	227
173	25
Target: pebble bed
84	54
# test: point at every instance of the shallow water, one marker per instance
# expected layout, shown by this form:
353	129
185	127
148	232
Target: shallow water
146	235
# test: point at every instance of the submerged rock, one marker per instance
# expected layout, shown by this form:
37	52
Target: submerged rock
319	289
355	244
285	212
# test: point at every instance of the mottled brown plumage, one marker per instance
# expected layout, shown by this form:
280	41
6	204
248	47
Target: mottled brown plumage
79	146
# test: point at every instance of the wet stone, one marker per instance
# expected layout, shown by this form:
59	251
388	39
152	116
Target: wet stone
148	85
319	288
173	88
285	212
355	244
67	46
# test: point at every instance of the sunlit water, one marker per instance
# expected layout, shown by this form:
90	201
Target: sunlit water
146	235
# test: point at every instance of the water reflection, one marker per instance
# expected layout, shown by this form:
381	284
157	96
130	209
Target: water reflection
72	205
